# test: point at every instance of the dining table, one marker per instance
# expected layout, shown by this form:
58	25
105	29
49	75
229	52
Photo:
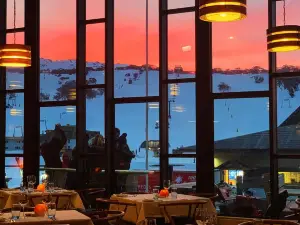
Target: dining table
70	217
8	197
147	206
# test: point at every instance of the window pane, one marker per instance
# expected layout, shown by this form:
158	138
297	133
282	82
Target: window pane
241	154
183	174
130	72
95	9
14	123
242	123
19	13
50	117
18	38
181	48
240	59
288	115
13	171
289	179
95	52
14	78
182	114
58	64
174	4
134	125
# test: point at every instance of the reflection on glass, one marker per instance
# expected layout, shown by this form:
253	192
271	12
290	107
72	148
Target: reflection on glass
288	131
13	171
182	114
14	123
57	138
131	123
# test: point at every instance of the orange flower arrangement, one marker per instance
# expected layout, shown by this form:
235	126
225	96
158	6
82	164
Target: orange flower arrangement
41	187
164	193
40	210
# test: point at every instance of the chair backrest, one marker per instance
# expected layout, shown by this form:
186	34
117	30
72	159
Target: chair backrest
189	204
135	193
89	195
274	210
108	202
62	201
212	196
104	217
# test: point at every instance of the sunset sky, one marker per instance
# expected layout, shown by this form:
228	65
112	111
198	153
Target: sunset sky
236	44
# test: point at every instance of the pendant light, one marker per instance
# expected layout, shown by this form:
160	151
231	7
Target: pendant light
222	10
283	38
15	55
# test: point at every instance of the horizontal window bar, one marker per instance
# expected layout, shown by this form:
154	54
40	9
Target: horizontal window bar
250	94
294	156
12	30
94	21
181	10
285	74
58	103
182	155
184	80
93	86
136	100
13	91
14	155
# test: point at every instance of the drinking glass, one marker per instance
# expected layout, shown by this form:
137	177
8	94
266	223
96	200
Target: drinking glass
167	184
15	211
174	192
30	187
201	215
155	192
50	187
51	210
23	201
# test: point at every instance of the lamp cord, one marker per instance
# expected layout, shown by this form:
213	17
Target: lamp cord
14	21
284	14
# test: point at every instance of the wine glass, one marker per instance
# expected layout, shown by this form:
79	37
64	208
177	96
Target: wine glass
23	201
167	184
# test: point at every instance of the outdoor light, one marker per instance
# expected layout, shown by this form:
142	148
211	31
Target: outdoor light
15	55
283	38
222	10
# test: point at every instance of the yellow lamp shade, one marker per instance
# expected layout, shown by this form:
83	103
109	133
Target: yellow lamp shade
222	10
283	38
15	55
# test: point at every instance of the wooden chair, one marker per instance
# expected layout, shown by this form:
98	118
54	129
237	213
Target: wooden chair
212	196
107	204
62	201
89	195
186	219
105	217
